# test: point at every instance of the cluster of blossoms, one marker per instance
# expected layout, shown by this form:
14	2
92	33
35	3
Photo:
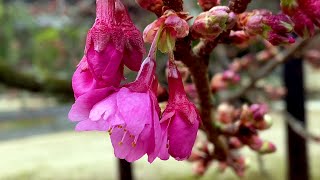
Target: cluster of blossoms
130	112
241	127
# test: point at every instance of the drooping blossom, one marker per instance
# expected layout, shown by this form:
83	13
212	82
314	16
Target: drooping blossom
129	113
179	122
113	41
172	25
212	23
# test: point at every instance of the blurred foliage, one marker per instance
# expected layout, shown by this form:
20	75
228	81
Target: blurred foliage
43	49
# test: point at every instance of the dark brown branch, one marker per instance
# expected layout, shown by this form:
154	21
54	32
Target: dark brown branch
176	5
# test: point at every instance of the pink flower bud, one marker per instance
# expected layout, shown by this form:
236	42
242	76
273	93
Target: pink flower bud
239	38
258	111
173	26
252	22
230	76
210	24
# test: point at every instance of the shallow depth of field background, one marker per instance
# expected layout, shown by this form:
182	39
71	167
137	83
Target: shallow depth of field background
45	38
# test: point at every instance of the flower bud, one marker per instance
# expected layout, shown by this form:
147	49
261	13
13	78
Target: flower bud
252	22
173	26
239	38
230	76
210	24
258	111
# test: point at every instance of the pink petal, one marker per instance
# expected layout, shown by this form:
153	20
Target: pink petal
164	154
106	107
86	125
141	147
155	139
134	109
82	80
81	108
182	136
106	64
121	150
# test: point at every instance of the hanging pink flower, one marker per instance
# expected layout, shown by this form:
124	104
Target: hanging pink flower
113	41
179	122
130	114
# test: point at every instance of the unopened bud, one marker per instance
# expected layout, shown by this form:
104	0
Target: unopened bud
210	24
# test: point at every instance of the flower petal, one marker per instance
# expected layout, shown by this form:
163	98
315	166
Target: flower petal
182	136
121	142
81	108
134	109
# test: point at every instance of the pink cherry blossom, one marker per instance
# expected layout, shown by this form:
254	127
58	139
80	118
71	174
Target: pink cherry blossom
180	120
112	41
130	114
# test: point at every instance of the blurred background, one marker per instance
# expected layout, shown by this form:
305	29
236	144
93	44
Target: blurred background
41	42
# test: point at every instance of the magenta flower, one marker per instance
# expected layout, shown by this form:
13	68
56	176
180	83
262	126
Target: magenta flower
130	114
180	120
112	41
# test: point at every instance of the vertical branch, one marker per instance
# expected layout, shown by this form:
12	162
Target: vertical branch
125	172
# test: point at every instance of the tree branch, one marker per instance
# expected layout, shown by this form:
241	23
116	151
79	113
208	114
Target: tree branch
269	67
